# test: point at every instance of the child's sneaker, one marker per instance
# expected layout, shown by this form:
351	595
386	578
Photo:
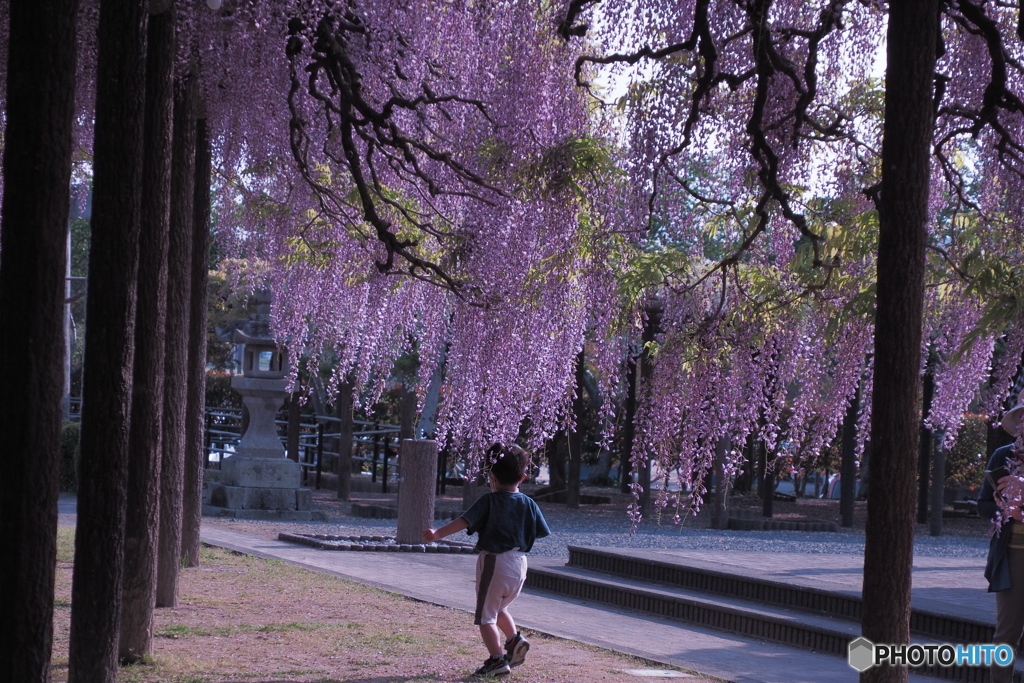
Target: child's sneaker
516	648
494	666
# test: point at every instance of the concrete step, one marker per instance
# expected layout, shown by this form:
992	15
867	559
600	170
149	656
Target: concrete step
794	627
927	624
819	621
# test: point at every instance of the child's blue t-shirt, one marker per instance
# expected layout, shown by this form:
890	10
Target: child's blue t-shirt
505	521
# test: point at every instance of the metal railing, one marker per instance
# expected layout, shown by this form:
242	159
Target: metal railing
375	443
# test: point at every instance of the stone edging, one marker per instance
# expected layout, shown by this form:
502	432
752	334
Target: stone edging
374	543
779	525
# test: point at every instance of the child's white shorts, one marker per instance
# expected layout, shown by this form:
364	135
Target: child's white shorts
499	579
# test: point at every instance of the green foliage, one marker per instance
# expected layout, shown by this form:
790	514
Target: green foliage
965	462
569	166
305	249
227	300
81	237
219	393
66	545
70	455
177	631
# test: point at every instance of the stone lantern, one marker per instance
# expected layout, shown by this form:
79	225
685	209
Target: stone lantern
258	481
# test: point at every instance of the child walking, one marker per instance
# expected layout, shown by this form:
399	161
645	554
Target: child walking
508	523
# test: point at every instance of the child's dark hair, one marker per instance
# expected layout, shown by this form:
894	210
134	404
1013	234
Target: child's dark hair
509	463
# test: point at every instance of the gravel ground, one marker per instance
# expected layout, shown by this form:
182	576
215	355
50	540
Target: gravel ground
608	526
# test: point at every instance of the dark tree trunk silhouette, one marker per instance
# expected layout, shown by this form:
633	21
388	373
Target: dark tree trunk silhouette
938	493
37	175
142	518
903	210
407	412
109	341
654	312
628	428
572	496
768	478
924	456
179	294
195	458
345	429
848	461
556	455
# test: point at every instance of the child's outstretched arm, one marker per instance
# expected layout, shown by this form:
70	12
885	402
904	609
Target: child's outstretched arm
453	527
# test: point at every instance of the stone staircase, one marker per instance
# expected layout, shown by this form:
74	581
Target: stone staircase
794	615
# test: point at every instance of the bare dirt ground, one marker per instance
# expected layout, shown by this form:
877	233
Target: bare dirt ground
241	618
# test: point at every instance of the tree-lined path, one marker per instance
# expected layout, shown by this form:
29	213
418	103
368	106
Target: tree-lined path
707	227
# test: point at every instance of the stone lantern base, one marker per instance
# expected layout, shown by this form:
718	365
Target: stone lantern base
243	497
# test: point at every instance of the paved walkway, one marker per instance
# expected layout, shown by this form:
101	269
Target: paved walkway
446	580
940	584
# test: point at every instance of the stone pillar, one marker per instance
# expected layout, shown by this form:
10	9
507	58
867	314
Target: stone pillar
259	481
418	468
260	459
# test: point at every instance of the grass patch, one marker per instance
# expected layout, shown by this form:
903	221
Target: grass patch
291	626
181	631
242	618
65	544
187	631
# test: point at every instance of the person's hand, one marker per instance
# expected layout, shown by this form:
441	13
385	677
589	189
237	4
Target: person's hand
429	535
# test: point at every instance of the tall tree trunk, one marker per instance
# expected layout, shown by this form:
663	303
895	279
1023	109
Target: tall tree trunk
745	478
628	429
109	342
37	175
924	456
407	412
654	311
195	457
143	507
903	212
572	496
556	460
179	294
418	465
848	461
938	490
345	429
769	475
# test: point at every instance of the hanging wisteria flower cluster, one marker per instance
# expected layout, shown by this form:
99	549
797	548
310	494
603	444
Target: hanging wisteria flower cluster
495	187
748	139
411	197
754	134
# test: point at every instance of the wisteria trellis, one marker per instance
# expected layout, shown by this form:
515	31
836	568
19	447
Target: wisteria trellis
511	180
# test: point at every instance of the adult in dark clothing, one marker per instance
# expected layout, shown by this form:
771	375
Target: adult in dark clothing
1005	566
